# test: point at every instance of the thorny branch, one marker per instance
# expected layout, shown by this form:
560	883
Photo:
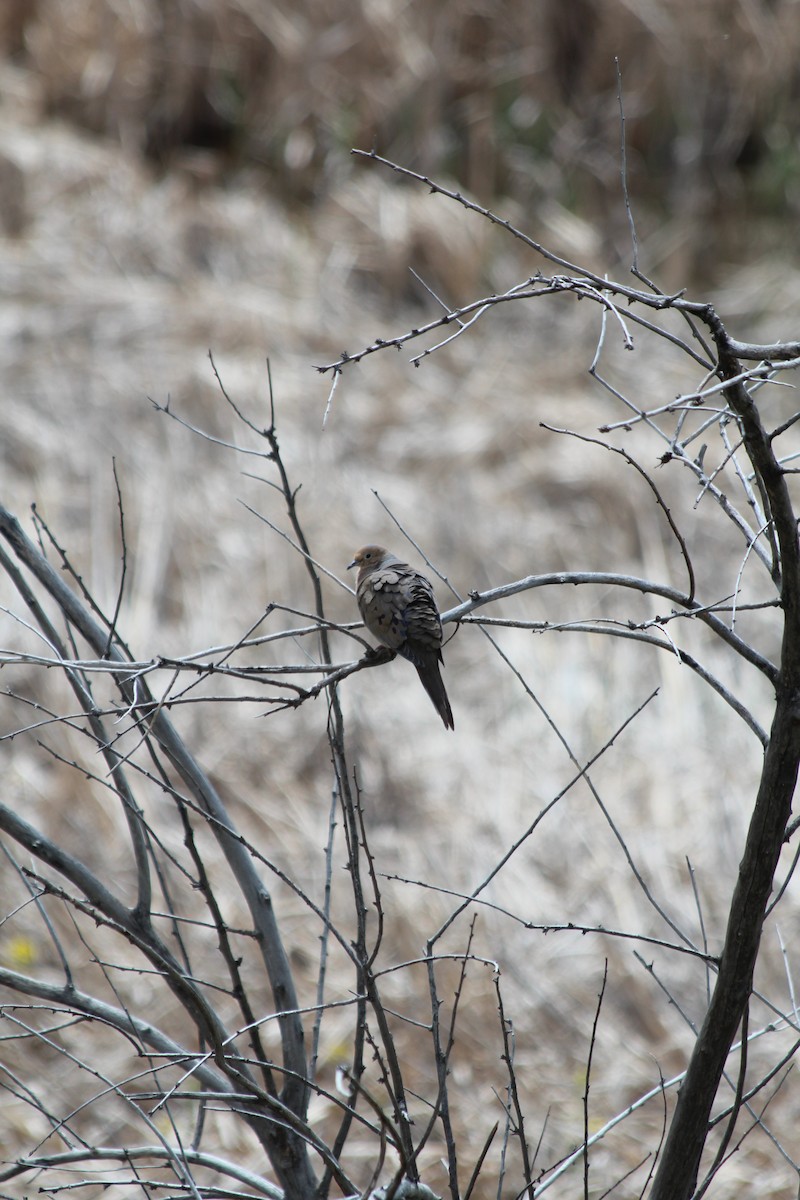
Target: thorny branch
737	385
230	1063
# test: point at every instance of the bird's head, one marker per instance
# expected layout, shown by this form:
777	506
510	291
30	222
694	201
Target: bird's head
368	557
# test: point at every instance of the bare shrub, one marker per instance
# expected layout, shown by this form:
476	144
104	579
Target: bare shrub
200	987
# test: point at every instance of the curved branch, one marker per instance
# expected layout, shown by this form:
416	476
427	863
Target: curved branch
245	1099
74	1000
133	814
606	579
631	461
689	661
127	1154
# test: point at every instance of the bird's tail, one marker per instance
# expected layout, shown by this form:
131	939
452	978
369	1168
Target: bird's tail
431	678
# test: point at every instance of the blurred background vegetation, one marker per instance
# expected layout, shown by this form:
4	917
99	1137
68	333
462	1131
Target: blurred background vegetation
176	176
514	101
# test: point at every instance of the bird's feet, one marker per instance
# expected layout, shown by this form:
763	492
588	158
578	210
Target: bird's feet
376	656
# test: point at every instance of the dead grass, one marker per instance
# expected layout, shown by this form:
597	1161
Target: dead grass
113	290
517	101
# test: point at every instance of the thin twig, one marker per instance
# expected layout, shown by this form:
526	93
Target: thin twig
592	1042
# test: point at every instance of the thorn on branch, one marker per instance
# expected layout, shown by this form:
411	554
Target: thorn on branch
667	301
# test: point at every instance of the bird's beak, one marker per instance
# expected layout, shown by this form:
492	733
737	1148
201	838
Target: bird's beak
352	564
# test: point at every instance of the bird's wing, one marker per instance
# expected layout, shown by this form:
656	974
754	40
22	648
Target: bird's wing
381	598
423	624
399	609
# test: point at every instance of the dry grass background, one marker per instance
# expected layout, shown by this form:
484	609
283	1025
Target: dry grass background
174	179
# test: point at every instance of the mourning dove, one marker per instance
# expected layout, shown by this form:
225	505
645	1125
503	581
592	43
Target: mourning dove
398	608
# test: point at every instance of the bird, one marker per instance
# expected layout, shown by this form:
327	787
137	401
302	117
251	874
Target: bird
399	609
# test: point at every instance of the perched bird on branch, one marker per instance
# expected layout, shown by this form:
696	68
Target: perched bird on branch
398	608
